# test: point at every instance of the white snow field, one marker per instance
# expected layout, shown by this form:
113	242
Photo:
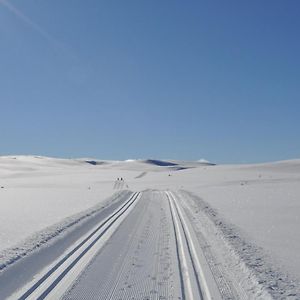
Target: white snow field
148	229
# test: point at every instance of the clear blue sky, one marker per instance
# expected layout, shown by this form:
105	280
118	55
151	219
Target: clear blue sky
163	79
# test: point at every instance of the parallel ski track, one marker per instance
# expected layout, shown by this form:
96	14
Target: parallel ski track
186	252
77	253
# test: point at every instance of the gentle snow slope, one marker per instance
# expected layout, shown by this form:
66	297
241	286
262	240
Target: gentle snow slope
263	200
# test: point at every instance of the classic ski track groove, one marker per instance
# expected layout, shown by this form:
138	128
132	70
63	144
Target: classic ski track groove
227	291
183	237
46	284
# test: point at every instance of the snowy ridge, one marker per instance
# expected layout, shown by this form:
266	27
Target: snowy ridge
285	166
26	164
45	236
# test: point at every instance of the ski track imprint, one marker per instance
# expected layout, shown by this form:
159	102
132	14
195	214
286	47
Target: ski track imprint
139	262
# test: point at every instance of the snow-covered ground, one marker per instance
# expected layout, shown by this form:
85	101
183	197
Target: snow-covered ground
261	201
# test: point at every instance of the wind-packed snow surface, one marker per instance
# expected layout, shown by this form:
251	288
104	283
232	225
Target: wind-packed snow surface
257	206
